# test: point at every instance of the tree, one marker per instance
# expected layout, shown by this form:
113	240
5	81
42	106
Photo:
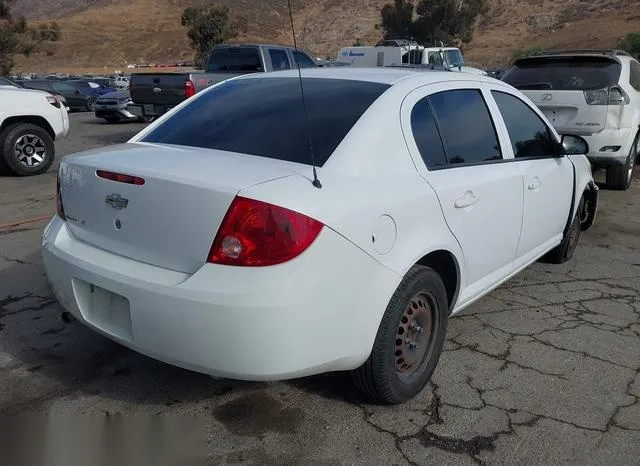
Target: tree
630	43
449	21
397	19
209	25
16	37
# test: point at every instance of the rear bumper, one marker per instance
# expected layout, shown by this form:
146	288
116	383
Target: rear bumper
613	138
317	313
148	110
111	112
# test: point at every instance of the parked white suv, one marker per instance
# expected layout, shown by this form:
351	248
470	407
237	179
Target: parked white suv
207	242
30	122
594	94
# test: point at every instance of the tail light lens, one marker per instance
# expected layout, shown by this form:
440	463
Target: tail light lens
257	234
189	89
59	206
611	96
120	177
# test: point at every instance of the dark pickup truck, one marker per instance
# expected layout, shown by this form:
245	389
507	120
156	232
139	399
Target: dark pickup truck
153	94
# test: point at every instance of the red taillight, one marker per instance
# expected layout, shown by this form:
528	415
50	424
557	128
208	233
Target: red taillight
59	206
120	178
256	234
189	89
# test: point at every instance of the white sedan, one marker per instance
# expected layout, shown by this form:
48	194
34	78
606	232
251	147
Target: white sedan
207	242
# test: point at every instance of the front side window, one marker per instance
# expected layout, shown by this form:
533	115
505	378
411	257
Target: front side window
265	117
303	60
466	127
59	87
530	136
279	59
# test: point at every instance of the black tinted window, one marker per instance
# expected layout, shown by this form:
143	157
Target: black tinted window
279	59
466	126
303	60
265	117
634	78
530	136
64	88
563	74
425	133
235	58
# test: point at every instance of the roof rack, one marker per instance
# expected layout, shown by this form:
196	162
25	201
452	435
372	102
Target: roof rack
612	52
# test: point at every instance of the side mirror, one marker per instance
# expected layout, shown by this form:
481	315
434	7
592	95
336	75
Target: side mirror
574	145
77	91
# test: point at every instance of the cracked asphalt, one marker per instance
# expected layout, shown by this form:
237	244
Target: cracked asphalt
544	370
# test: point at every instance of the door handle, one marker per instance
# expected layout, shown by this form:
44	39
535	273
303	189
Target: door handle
467	200
534	184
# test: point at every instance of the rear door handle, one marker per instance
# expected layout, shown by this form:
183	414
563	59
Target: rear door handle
534	184
467	200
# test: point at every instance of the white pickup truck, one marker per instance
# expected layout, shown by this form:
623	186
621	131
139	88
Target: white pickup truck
30	122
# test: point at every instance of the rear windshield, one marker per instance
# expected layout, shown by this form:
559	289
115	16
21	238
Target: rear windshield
265	117
563	74
235	58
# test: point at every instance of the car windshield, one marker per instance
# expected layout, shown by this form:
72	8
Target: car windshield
454	57
235	58
563	73
265	117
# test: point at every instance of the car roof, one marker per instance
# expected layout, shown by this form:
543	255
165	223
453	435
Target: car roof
379	75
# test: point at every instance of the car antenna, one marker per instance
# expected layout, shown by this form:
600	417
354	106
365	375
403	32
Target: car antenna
316	181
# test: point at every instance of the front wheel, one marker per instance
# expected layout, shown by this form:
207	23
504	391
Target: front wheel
564	251
409	340
27	149
91	104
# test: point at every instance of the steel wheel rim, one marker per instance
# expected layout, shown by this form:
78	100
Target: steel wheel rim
415	335
30	150
573	235
92	104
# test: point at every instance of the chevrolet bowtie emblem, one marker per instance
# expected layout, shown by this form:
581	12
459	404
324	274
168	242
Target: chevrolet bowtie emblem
115	201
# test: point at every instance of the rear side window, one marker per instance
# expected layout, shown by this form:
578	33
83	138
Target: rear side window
425	133
265	117
235	59
466	127
564	73
530	136
634	77
279	59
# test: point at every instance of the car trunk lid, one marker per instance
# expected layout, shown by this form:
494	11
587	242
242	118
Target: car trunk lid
171	219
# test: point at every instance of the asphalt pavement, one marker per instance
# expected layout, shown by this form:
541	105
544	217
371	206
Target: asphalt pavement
544	370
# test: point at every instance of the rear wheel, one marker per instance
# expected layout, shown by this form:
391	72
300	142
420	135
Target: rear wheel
619	177
409	340
27	149
147	119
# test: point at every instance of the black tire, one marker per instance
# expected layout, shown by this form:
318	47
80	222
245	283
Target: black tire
383	376
33	138
619	177
564	251
112	120
147	119
91	104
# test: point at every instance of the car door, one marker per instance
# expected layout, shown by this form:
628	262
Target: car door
456	147
74	98
547	176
